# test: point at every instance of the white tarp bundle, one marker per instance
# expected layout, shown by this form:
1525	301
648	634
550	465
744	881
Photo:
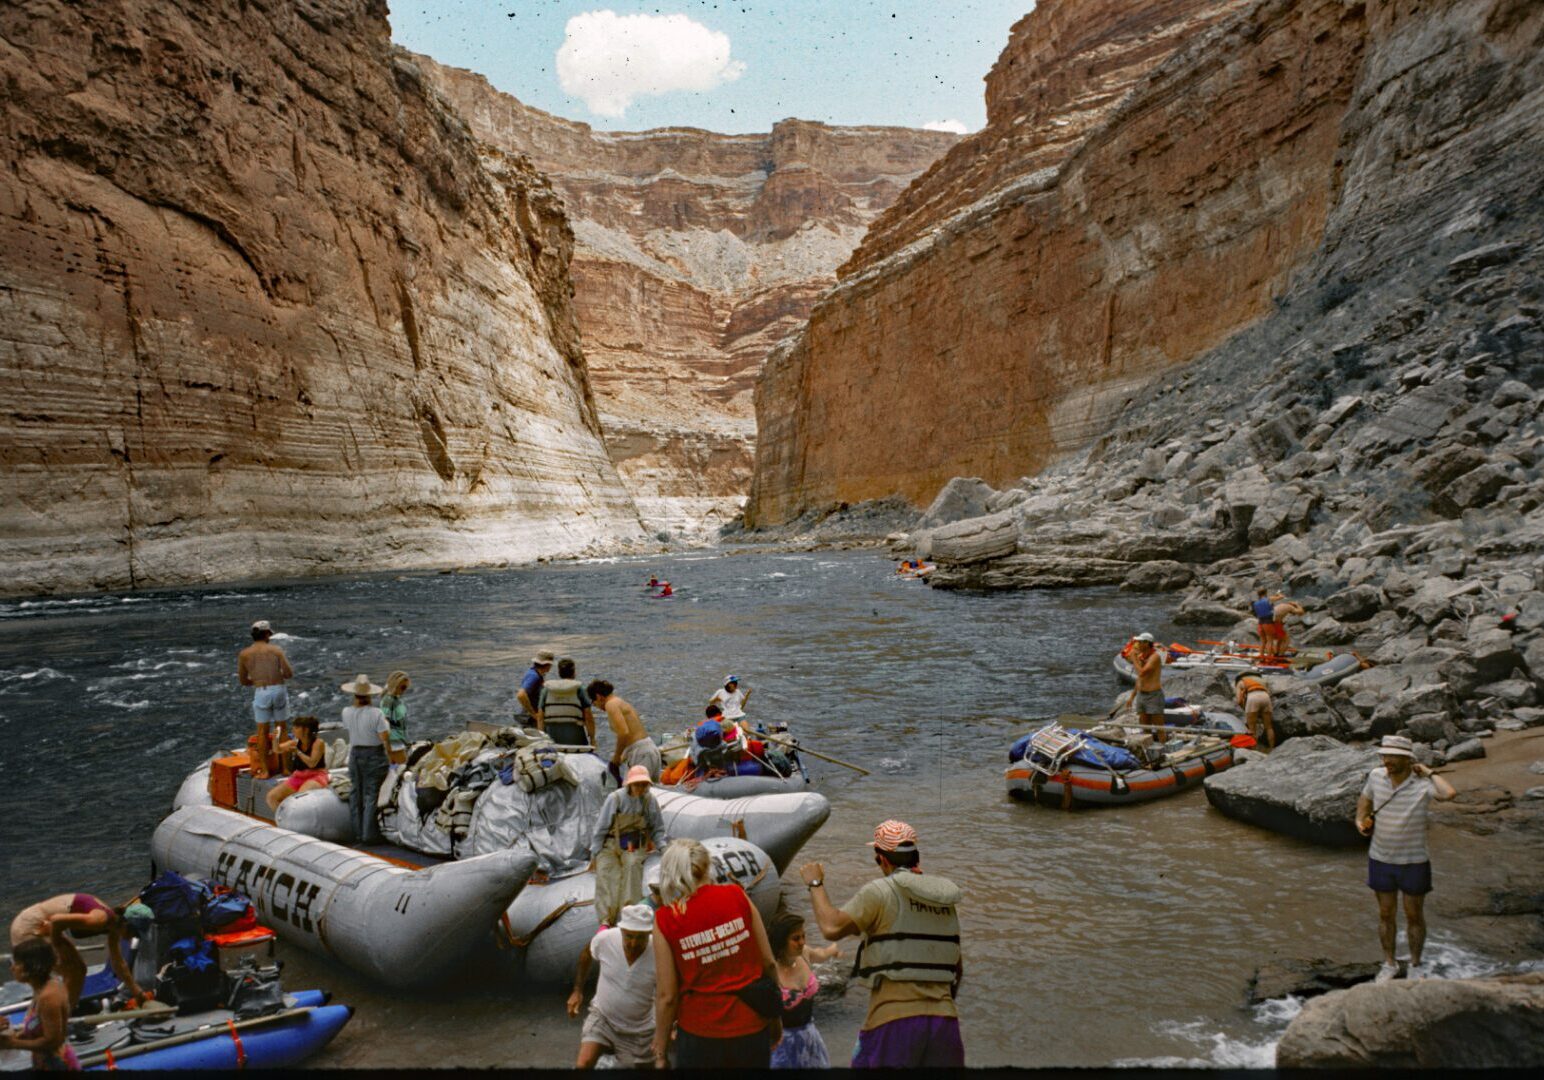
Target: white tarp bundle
553	823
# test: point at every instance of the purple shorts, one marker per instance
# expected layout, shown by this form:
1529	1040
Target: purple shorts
910	1043
1412	879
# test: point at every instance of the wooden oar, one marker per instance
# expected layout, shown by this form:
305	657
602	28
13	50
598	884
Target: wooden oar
1172	729
206	1031
815	753
150	1008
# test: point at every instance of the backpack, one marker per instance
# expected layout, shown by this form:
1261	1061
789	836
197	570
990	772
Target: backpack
223	908
172	896
192	980
252	991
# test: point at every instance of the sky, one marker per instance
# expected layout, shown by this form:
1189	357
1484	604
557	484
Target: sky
726	66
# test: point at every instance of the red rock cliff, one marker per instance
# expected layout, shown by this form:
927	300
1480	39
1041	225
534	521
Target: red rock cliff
1151	176
695	253
266	312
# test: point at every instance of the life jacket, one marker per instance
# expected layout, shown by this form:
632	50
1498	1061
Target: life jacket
923	944
563	705
1251	684
1264	610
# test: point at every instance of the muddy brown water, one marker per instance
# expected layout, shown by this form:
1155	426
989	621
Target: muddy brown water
1090	937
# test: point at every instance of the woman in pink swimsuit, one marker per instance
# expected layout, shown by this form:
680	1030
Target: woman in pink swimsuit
45	1029
801	1046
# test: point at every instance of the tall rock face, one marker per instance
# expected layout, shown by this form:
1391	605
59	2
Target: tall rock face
695	253
268	312
1155	178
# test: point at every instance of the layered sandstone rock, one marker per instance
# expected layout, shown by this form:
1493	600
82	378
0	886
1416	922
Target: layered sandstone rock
268	312
1152	176
696	252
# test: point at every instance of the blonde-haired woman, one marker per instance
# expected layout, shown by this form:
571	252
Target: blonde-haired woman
397	684
710	946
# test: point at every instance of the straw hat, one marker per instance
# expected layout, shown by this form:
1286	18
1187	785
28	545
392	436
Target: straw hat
543	657
1396	746
362	686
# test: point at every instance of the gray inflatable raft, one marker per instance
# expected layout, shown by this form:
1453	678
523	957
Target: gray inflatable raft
549	924
403	927
778	824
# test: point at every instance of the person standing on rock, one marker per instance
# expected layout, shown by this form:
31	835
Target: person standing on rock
1285	609
1265	622
529	694
1252	693
263	666
909	957
1147	696
634	747
1392	810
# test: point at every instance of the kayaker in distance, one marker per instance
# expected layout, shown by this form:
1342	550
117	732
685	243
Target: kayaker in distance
1147	695
664	591
1392	809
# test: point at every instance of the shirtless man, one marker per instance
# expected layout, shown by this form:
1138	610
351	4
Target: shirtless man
1148	694
634	747
264	666
1283	609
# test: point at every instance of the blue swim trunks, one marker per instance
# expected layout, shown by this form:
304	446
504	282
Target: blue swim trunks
1412	879
270	704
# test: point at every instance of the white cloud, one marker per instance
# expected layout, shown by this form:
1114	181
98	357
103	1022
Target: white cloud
606	60
945	125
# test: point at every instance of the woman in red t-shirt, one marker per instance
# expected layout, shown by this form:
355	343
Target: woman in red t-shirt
711	943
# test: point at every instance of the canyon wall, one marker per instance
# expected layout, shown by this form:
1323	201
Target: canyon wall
695	253
267	311
1151	178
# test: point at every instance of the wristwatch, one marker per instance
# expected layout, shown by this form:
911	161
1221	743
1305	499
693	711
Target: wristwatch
817	883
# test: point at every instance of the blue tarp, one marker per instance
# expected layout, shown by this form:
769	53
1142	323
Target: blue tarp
1092	752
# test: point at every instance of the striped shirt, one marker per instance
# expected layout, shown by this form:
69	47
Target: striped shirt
1399	821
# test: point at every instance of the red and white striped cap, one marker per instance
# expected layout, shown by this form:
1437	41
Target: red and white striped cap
894	836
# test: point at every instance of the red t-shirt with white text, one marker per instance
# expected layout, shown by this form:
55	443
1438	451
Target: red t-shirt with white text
715	955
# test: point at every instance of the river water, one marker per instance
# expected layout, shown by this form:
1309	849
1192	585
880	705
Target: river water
1091	938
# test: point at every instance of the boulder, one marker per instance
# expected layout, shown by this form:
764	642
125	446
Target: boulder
1299	710
1306	978
1496	1022
1306	789
1162	575
961	498
1356	603
1431	602
975	540
1467	750
1493	653
1287	509
1477	487
1200	611
1512	693
1511	392
1327	631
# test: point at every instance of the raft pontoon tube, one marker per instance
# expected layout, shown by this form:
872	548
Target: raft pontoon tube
778	824
551	923
404	927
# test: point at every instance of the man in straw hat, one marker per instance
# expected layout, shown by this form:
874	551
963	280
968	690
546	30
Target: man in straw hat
621	1018
369	742
263	666
529	694
629	822
1392	810
909	957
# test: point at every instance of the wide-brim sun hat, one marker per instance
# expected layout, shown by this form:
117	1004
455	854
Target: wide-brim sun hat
543	657
1396	746
262	625
362	687
638	774
636	919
